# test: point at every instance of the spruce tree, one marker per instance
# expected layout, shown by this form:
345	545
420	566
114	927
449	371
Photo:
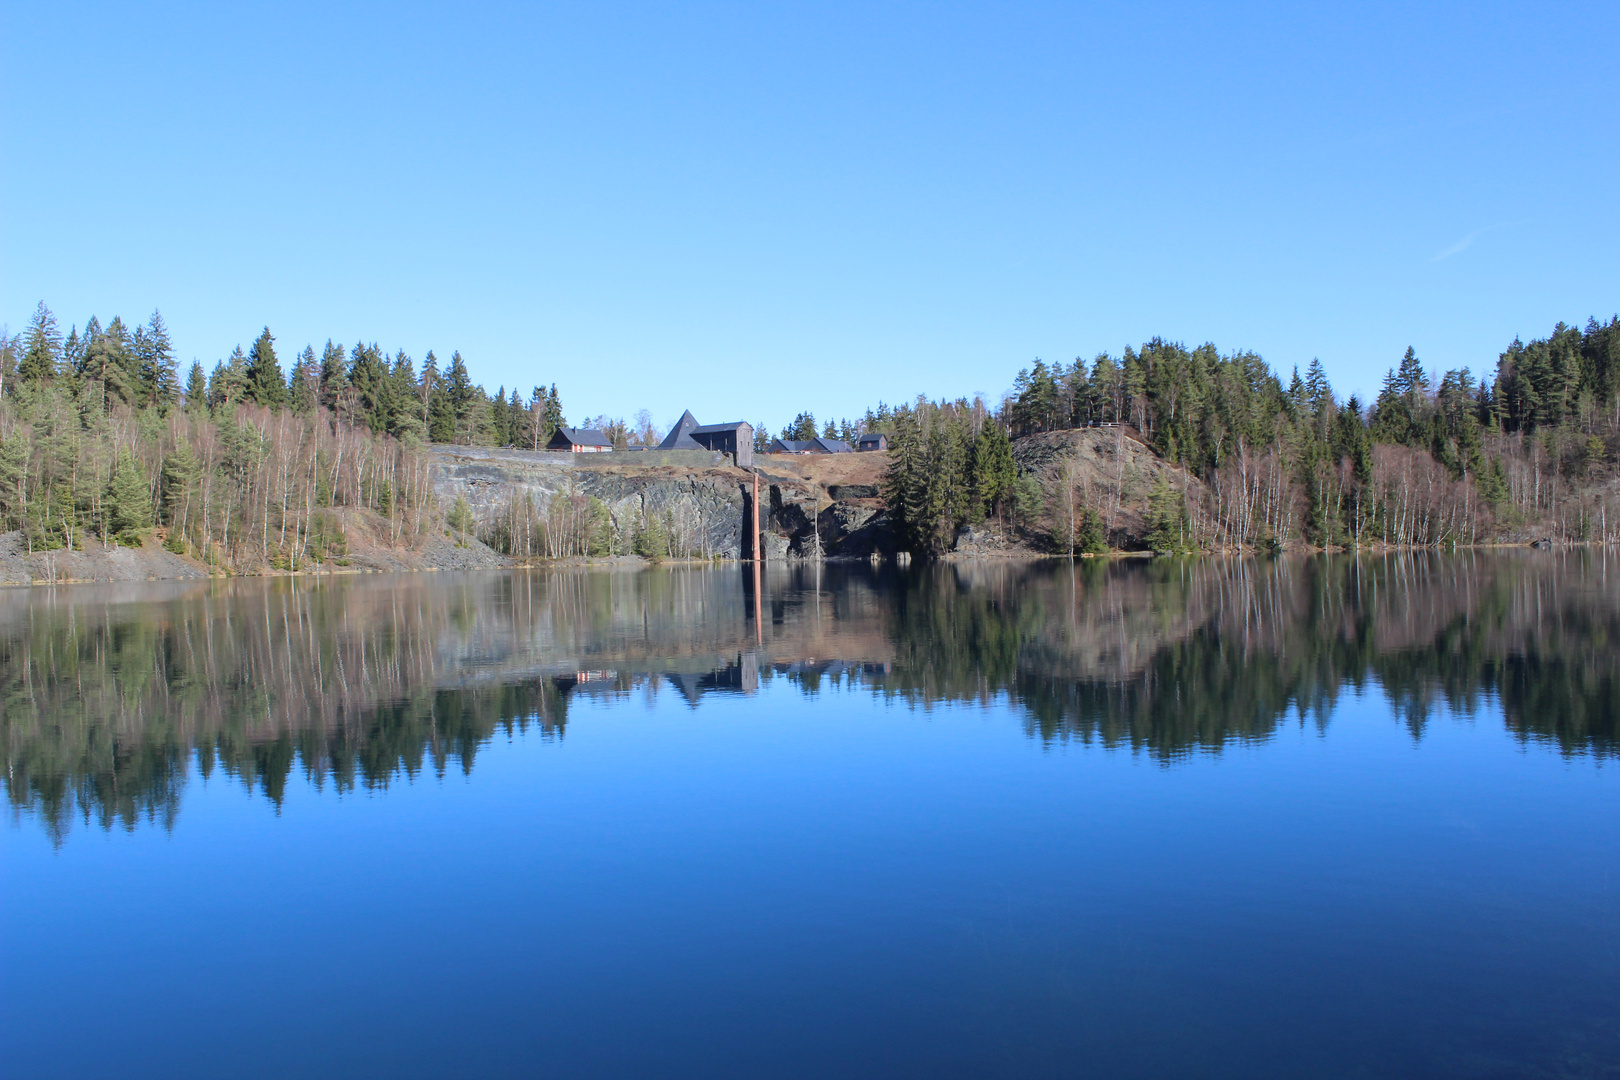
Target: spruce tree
196	387
302	396
334	379
554	414
458	387
229	385
994	469
500	420
73	353
129	502
42	348
426	383
157	376
266	385
441	417
179	478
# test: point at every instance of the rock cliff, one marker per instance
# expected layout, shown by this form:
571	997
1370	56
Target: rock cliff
805	502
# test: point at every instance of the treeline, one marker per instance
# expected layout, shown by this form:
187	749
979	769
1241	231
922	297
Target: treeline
247	465
1438	458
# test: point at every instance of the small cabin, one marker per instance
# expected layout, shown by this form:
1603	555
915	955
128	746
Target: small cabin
873	441
580	441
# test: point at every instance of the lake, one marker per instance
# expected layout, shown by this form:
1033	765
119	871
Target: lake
1334	816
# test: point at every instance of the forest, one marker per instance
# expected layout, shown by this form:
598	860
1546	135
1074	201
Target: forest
256	463
248	466
1526	451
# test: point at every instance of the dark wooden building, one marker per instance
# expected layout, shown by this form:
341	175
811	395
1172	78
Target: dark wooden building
736	439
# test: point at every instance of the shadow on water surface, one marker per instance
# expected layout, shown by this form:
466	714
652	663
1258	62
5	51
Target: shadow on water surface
111	698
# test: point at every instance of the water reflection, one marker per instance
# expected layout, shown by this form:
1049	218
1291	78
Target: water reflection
113	697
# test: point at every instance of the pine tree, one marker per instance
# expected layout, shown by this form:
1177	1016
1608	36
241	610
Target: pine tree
803	427
42	348
157	375
108	361
10	352
1411	379
196	387
500	420
994	470
458	388
72	362
441	417
334	375
229	385
554	414
1166	518
129	502
403	423
179	479
1318	391
266	385
906	488
302	388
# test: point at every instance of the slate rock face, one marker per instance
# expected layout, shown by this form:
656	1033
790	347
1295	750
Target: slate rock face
711	502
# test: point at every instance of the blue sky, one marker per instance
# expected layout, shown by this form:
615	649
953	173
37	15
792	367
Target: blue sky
753	209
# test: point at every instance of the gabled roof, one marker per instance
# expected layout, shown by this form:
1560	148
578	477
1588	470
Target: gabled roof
811	446
710	429
584	436
680	436
869	437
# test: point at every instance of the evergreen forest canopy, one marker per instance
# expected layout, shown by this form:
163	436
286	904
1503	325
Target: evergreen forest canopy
101	439
1529	449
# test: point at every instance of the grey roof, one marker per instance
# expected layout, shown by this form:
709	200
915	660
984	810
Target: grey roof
869	437
803	446
679	437
709	429
585	436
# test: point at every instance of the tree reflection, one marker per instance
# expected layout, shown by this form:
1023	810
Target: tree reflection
110	700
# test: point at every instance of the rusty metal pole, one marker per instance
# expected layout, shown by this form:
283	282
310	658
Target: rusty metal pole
759	607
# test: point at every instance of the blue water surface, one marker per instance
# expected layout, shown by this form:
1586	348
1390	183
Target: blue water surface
791	881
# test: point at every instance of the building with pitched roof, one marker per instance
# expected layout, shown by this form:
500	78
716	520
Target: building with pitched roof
875	440
736	439
810	446
580	440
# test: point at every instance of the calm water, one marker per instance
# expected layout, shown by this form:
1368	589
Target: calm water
1335	817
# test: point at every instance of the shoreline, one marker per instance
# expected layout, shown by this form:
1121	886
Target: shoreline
193	570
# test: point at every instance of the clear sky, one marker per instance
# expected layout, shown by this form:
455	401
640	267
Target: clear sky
753	209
